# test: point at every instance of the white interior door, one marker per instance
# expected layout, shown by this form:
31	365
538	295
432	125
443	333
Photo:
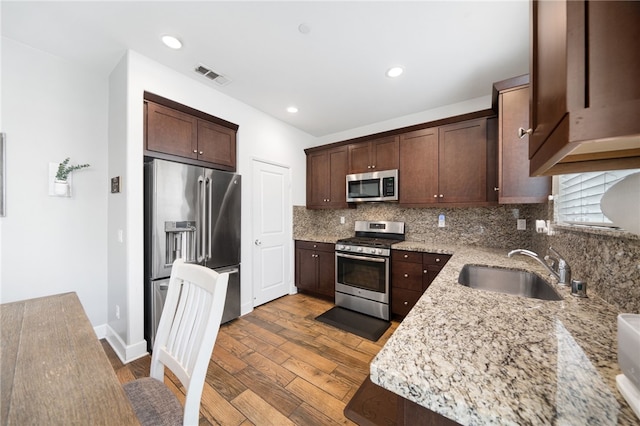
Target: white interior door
272	227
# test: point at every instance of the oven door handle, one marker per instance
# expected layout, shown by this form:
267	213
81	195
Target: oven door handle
366	258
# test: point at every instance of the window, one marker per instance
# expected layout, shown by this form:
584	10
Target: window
579	195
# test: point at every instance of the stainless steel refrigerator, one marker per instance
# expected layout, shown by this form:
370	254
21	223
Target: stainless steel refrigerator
191	213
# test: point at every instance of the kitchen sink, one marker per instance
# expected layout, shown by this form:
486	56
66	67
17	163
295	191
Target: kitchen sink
508	281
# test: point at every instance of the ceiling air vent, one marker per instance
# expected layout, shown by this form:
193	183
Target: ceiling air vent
212	75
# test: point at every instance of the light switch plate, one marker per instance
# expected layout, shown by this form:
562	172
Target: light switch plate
522	224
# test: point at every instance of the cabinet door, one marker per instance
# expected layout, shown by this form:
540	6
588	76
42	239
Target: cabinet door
431	267
359	158
326	178
418	169
462	162
216	144
585	97
170	131
548	69
402	300
407	275
326	273
516	186
384	153
317	178
306	270
337	184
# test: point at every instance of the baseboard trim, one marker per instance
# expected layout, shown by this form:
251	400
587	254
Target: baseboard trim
126	353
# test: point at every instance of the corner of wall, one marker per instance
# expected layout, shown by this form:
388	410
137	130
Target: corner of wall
126	353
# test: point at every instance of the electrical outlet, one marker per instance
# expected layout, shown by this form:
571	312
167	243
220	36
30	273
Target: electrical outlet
342	220
115	185
522	224
441	222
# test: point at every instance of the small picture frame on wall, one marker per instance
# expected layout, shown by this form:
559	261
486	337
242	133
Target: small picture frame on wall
3	174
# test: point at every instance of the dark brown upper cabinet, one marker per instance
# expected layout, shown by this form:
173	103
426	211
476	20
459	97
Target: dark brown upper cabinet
374	155
453	164
418	170
177	132
326	178
585	92
511	101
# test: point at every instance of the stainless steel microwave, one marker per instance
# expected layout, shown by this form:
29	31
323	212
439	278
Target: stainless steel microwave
374	186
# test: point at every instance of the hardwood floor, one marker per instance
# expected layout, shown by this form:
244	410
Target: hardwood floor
277	366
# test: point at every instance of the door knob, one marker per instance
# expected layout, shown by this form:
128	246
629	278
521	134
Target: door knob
522	132
258	242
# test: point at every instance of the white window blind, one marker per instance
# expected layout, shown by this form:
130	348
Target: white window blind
580	193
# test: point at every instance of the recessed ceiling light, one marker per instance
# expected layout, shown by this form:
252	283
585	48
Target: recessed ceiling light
171	41
394	72
304	28
292	109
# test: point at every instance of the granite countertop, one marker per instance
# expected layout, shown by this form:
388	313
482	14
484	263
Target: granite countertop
479	357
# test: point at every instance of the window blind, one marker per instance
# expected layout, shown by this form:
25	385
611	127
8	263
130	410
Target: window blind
579	195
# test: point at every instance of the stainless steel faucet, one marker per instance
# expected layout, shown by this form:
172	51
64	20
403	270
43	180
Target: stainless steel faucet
558	267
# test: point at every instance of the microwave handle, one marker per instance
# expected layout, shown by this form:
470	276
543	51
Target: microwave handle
368	259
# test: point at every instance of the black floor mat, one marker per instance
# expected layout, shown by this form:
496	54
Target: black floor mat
354	322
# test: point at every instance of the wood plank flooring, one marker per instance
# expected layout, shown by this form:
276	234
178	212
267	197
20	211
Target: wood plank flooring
277	366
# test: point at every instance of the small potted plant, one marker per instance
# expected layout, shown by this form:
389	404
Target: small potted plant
61	184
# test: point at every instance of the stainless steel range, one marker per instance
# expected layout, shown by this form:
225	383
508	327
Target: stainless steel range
362	267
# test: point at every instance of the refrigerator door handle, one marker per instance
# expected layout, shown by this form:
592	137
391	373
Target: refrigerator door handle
209	217
202	232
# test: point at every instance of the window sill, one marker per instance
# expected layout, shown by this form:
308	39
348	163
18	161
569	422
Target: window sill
596	230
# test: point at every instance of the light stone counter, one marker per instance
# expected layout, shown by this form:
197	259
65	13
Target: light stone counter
487	358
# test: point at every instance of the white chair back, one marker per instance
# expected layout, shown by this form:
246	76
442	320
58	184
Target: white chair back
188	329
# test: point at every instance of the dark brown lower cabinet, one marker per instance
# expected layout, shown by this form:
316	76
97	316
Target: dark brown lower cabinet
315	268
411	274
373	405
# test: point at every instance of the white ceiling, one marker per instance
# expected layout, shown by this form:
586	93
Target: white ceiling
452	51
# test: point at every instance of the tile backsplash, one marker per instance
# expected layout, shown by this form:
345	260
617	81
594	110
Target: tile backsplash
608	261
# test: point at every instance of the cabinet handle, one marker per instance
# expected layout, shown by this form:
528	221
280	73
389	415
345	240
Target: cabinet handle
437	260
368	167
200	153
315	246
522	132
406	275
441	196
195	151
406	303
406	256
373	167
424	272
435	195
495	188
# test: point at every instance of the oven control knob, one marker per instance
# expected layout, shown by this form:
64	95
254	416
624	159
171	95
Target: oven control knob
378	251
340	247
359	249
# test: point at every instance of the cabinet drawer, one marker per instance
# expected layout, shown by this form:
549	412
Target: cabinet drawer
403	300
407	275
312	245
406	256
435	259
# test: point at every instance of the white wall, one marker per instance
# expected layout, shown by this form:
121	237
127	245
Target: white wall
52	110
471	105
